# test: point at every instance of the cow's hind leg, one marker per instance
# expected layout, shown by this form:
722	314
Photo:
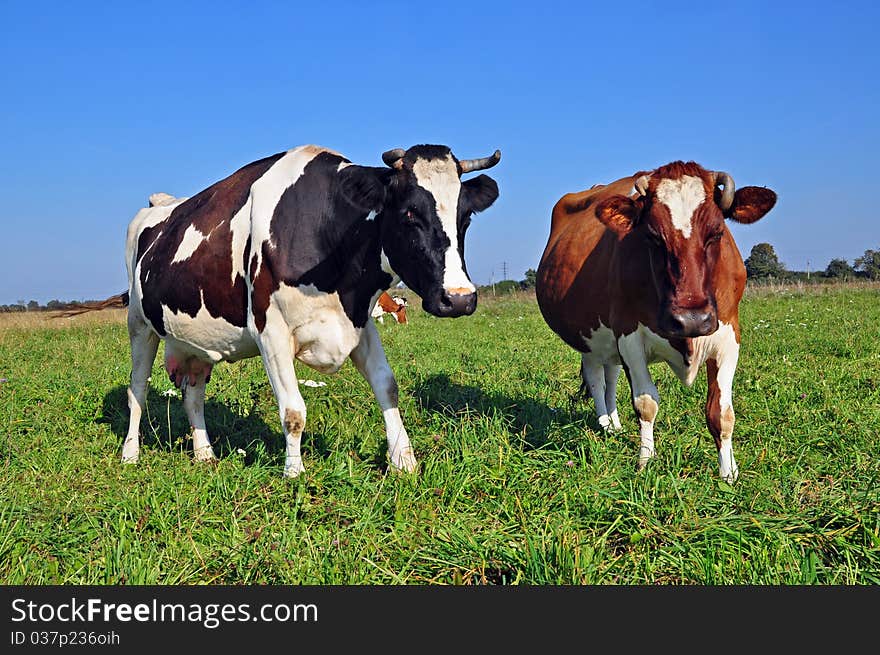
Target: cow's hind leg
369	358
191	375
276	348
719	408
593	375
612	373
193	389
144	344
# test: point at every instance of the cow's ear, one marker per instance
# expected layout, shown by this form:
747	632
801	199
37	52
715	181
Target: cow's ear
364	186
479	192
619	213
750	204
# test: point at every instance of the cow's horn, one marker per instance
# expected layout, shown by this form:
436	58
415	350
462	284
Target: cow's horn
394	157
468	165
641	185
723	179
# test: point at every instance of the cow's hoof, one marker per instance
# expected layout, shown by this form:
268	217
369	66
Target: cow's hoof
205	454
405	462
294	469
645	456
610	423
130	451
731	477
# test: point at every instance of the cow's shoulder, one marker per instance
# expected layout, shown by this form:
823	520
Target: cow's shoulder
307	234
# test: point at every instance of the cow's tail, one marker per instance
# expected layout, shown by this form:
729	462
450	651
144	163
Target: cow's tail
118	301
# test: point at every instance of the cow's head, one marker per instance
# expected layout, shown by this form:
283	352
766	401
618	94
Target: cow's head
424	208
678	212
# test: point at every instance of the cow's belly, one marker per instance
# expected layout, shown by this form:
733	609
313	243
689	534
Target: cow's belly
323	335
601	345
207	338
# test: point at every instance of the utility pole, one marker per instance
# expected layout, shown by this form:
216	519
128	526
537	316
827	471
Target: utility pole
504	270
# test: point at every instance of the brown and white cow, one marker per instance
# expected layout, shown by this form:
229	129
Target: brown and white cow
396	306
644	270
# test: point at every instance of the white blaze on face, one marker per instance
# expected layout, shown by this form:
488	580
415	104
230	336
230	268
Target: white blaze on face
439	177
681	196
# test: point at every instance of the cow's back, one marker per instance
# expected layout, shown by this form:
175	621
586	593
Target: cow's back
574	285
184	262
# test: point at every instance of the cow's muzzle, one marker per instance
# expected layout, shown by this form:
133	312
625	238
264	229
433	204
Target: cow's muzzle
451	303
688	323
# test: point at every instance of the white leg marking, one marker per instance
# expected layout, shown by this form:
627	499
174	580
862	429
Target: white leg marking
593	375
276	349
727	356
615	421
369	358
144	344
646	408
646	399
612	373
194	404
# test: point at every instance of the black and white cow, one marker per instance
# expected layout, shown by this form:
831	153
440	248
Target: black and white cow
285	259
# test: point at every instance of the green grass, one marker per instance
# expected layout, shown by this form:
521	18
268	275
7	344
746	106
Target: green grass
517	483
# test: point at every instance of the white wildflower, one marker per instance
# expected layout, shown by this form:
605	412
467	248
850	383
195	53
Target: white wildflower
171	393
313	383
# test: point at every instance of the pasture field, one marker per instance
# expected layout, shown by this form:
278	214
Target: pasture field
517	484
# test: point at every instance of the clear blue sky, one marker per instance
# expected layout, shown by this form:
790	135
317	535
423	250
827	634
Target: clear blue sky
106	103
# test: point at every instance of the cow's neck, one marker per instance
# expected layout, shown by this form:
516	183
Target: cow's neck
362	277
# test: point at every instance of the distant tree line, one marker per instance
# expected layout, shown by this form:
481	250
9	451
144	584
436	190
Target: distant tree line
34	306
509	286
763	265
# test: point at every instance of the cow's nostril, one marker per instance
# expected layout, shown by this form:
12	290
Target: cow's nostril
691	323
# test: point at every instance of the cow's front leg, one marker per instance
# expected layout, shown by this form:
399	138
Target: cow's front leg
276	349
369	358
719	407
144	345
645	397
612	373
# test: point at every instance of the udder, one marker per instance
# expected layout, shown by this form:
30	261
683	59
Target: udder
186	368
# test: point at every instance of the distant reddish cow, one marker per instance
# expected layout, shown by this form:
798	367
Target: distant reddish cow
645	270
395	306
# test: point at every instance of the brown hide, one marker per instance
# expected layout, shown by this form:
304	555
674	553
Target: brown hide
588	274
387	303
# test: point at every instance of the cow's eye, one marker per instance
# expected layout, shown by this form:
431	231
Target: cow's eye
410	214
713	238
